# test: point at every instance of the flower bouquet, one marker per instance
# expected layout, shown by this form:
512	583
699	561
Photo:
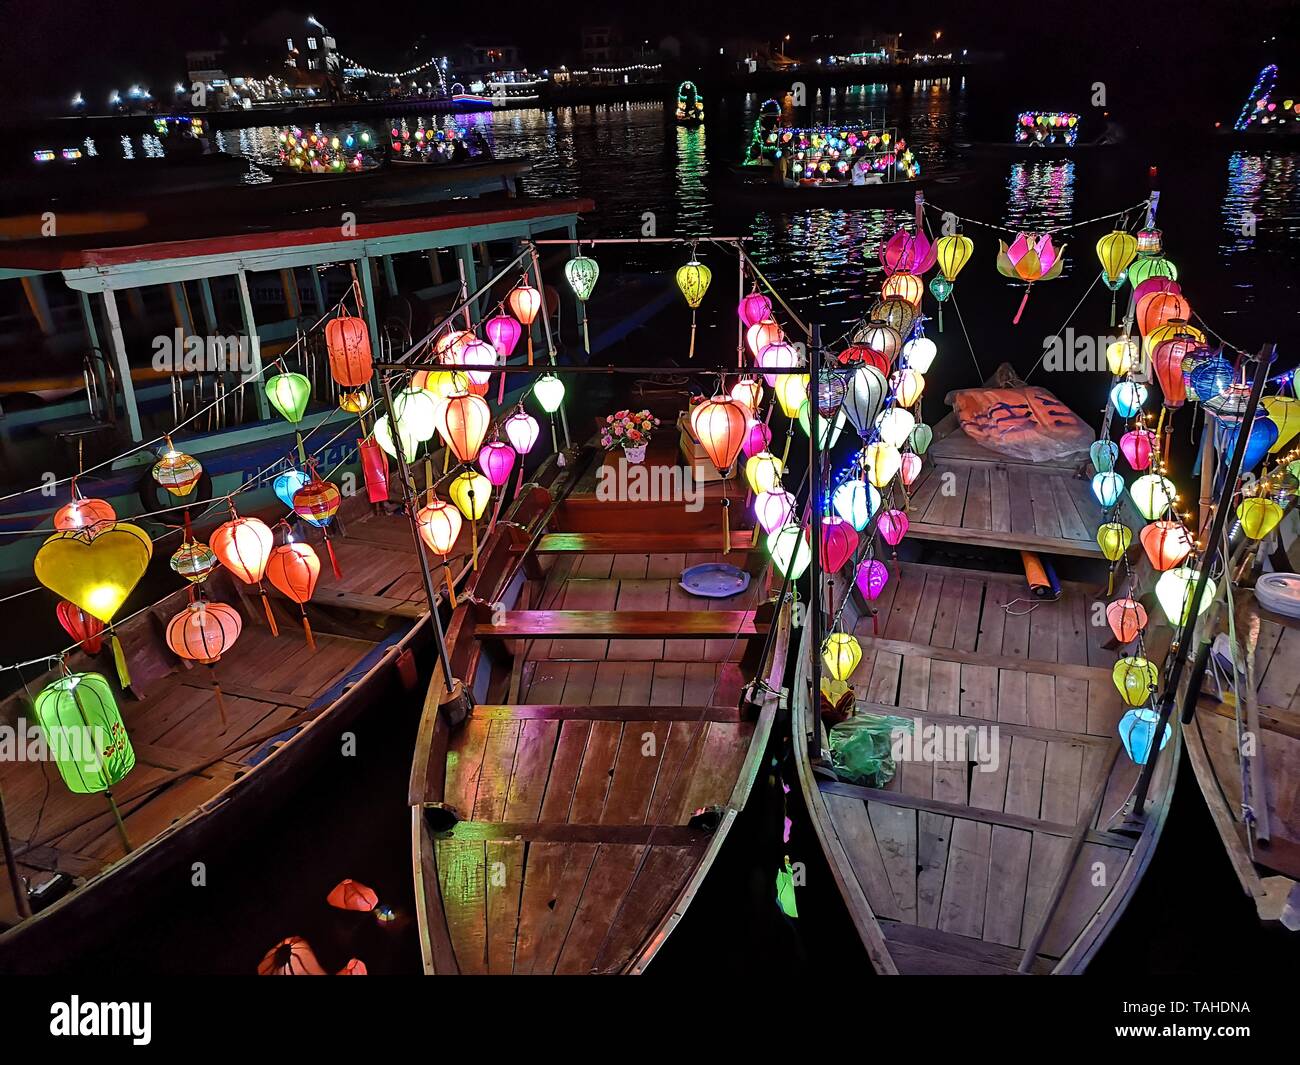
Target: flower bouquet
629	430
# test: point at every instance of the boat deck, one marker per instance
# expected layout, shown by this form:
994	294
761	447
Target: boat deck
960	866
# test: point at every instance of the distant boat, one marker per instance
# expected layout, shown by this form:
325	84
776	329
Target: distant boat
690	105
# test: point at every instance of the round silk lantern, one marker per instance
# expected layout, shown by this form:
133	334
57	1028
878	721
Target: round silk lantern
525	301
81	626
194	561
772	509
471	491
77	703
757	439
791	393
203	632
749	392
293	568
1153	495
1137	731
1284	412
1121	356
864	398
829	428
447	347
383	434
1136	679
910	469
1107	487
1155	309
902	286
503	333
549	391
952	252
856	355
720	425
919	355
921	438
895	314
347	339
497	461
693	279
521	430
763	472
872	576
1114	537
760	335
893	526
1260	438
417	414
286	485
754	308
838	543
881	461
1116	250
244	546
841	653
316	503
1138	446
881	337
177	472
790	551
1128	398
289	394
855	501
1167	543
1126	618
463	424
1212	377
439	524
1259	516
779	355
894	426
476	355
1146	267
85	515
1174	591
907	386
1103	454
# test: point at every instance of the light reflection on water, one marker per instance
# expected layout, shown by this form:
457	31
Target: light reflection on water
1040	196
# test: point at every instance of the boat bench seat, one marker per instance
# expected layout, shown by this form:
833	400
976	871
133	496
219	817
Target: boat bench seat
624	624
636	543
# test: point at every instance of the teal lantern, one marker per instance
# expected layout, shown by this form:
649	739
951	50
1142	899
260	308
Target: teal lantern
287	484
940	289
1128	398
1108	487
1103	454
1137	731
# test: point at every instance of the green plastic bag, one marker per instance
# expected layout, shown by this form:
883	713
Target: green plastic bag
862	748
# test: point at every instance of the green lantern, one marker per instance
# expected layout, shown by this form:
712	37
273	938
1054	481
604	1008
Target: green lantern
921	438
789	550
289	393
1174	591
549	391
1148	266
79	716
828	429
582	273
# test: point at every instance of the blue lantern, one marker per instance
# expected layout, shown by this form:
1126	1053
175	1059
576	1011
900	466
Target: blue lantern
1262	436
1212	377
1103	454
1108	487
1137	730
287	485
1128	398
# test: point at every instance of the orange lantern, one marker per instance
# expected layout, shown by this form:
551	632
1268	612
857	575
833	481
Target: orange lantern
316	503
290	957
463	423
351	895
440	524
348	342
91	515
244	547
721	425
203	632
760	335
1167	543
1156	308
525	301
176	471
1127	618
293	569
447	347
903	286
354	967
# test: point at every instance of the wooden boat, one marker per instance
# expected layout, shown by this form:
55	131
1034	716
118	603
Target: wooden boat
565	824
690	105
949	868
751	187
197	779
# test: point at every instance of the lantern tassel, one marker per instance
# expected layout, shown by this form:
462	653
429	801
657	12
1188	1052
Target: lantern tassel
306	631
726	523
473	535
940	317
221	703
1113	297
451	587
334	562
119	660
117	817
530	344
692	351
1021	309
1110	583
501	389
586	336
270	618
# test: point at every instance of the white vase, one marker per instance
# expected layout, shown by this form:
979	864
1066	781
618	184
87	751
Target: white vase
635	455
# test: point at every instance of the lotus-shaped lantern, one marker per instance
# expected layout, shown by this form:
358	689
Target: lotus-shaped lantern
1031	257
906	252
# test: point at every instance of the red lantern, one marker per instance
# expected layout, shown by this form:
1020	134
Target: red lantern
1138	446
244	546
1157	308
203	632
290	957
1166	543
348	341
859	355
463	423
316	503
720	425
82	627
525	301
1127	618
1167	361
351	895
91	515
374	464
293	568
838	542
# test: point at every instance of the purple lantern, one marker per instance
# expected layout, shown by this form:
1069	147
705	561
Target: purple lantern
504	332
1138	446
758	438
522	431
496	460
893	526
872	578
773	509
908	254
754	308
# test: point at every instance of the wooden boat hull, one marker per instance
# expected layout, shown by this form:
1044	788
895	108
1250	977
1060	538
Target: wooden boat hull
765	195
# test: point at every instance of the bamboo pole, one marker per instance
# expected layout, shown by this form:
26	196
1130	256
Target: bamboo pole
21	902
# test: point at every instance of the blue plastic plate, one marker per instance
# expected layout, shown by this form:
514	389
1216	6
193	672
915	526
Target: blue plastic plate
714	580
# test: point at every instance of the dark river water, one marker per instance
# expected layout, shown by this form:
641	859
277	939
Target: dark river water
1231	221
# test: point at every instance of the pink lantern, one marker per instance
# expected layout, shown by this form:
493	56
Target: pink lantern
496	460
872	578
893	526
757	440
778	356
839	541
910	467
1156	284
477	353
1030	257
905	253
773	509
522	430
754	308
1138	446
503	332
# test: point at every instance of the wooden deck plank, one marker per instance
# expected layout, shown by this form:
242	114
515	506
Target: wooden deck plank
610	878
965	886
1008	875
853	825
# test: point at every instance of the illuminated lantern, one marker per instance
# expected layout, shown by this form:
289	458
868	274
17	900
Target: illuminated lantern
1116	250
831	389
757	439
383	434
895	314
1113	538
952	253
289	393
1167	543
351	895
1157	308
287	484
1153	495
1174	590
525	301
881	337
907	385
1174	329
293	568
439	525
194	561
1103	454
470	491
316	503
244	546
779	356
1121	355
347	340
1126	618
203	632
905	252
417	414
720	425
1259	516
1137	731
374	466
582	273
463	423
1107	487
1136	679
354	967
763	472
919	355
921	439
791	393
693	279
760	335
447	347
772	509
497	461
855	501
1157	283
177	472
549	391
85	515
895	426
856	355
71	705
442	383
902	286
290	957
754	308
829	429
863	400
838	542
1167	361
881	462
940	289
1146	267
841	653
1260	438
1229	406
911	467
872	576
893	526
503	333
478	353
1138	446
790	551
1128	398
749	392
1030	257
81	626
1283	411
521	430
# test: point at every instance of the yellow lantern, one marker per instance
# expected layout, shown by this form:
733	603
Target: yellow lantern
1116	250
952	253
1174	589
1114	537
792	393
1258	516
471	491
1136	679
763	471
841	653
1284	412
1120	356
882	462
903	286
1153	495
693	279
907	385
1175	327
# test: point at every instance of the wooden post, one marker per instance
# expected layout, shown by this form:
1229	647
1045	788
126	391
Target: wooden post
466	256
209	305
372	312
254	345
39	302
123	366
289	287
21	903
181	307
390	275
814	611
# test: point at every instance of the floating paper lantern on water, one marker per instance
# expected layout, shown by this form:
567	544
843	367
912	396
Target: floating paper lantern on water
790	551
1167	543
779	355
1126	618
1103	454
1128	398
194	561
463	423
203	632
293	568
919	355
1138	446
1153	495
760	335
855	501
754	308
758	439
1259	516
176	471
80	704
749	392
1261	437
895	426
244	547
881	461
347	340
82	627
907	386
871	578
1135	678
1137	731
865	397
525	301
1121	356
921	438
1114	537
1174	591
289	393
693	280
1284	412
286	485
772	509
1107	487
893	526
85	515
841	653
763	471
903	286
839	540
